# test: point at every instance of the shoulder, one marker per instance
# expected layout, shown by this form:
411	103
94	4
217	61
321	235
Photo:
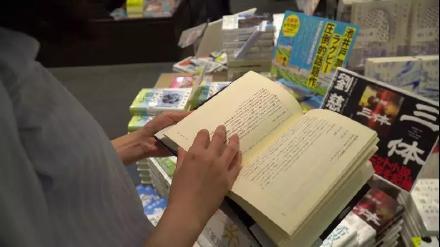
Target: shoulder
17	55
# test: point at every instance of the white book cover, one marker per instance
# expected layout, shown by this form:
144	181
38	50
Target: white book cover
383	29
402	72
365	232
417	74
425	195
430	77
424	27
224	231
344	234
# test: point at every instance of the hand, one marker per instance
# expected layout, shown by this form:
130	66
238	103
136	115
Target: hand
152	147
141	143
205	174
202	178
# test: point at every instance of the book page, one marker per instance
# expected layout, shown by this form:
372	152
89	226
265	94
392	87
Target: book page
252	107
320	221
289	172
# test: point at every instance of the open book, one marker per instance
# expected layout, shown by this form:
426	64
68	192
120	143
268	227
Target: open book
299	170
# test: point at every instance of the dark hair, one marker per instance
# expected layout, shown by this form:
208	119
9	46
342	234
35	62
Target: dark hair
46	19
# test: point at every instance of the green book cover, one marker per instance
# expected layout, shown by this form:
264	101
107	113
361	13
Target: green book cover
138	121
152	101
168	164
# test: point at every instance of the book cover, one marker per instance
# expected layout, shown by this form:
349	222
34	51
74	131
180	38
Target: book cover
195	65
151	101
153	204
378	210
182	82
138	121
190	36
147	194
407	124
308	51
186	65
155	210
225	229
425	197
374	219
426	241
206	91
430	77
384	29
402	72
424	28
247	39
168	164
418	74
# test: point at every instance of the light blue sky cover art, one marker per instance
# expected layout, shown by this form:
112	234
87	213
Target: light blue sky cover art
308	51
305	43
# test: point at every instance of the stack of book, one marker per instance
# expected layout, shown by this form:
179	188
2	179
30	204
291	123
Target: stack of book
137	122
194	65
421	218
418	74
144	171
206	91
375	221
161	172
153	204
152	101
227	228
148	103
248	41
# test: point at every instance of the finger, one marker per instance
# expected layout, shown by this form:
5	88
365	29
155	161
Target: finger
218	140
235	168
164	120
231	149
176	116
202	139
236	161
157	151
180	157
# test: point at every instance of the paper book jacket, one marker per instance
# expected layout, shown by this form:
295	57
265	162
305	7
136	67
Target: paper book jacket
384	29
417	74
378	209
377	216
308	51
407	125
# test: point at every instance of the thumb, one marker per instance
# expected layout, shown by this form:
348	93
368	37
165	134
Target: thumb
180	157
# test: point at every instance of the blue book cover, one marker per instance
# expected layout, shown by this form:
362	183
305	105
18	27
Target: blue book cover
147	194
308	51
